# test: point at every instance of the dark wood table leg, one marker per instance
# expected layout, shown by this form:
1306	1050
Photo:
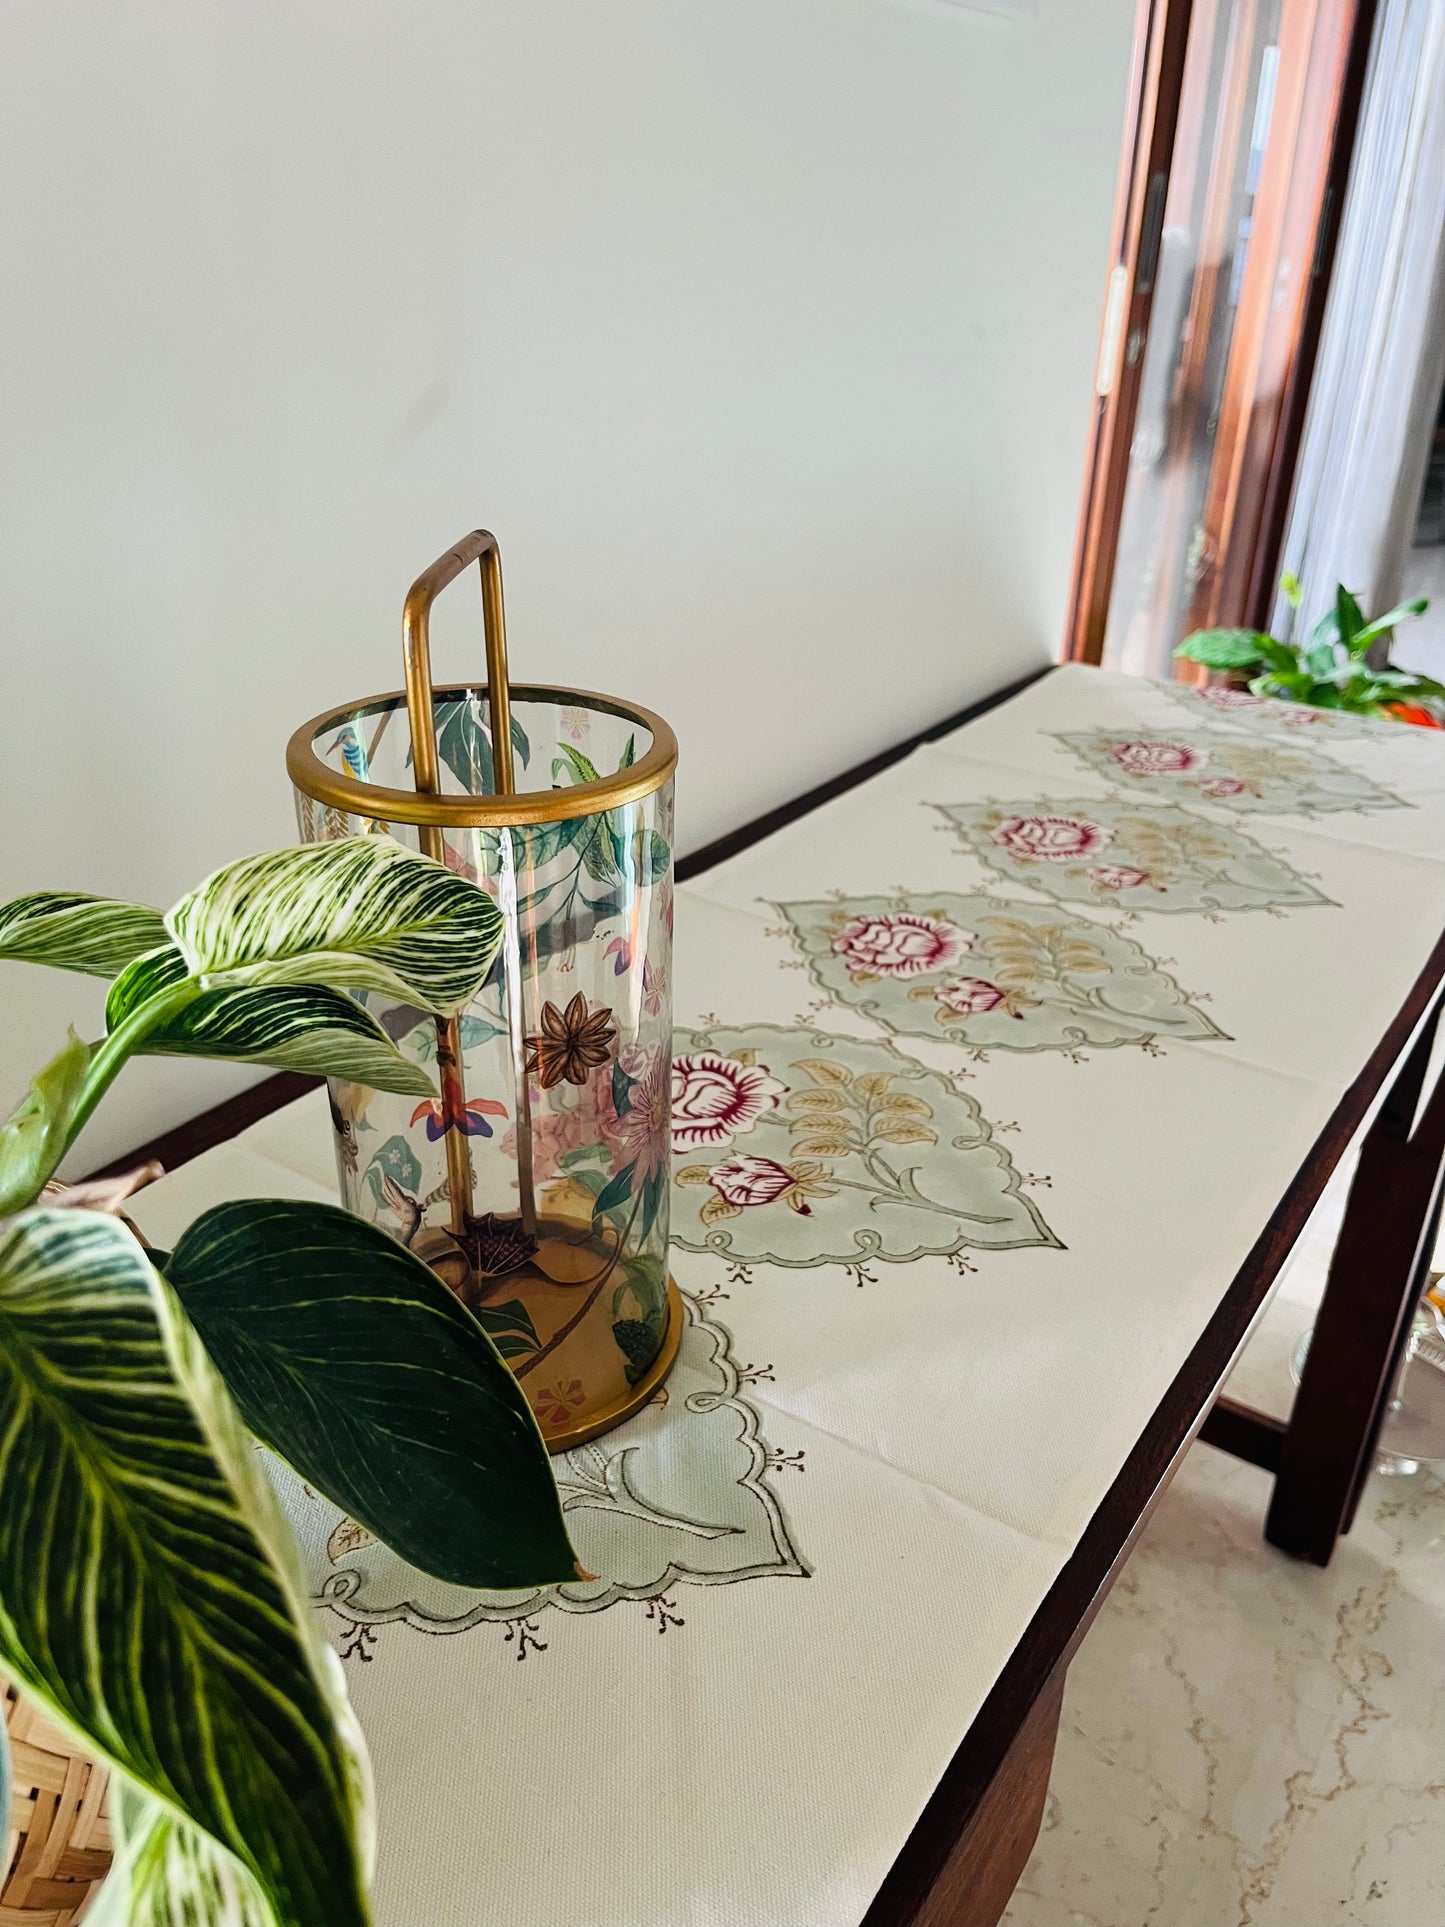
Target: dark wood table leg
1376	1277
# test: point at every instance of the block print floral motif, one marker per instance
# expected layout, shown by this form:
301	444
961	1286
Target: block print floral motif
863	1155
1231	772
1140	856
1269	716
1003	976
681	1492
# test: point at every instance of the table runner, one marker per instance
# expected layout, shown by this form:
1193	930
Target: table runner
988	1075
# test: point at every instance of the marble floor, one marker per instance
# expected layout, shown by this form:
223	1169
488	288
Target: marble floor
1248	1742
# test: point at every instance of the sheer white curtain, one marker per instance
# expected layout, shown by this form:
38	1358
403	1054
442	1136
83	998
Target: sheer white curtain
1382	351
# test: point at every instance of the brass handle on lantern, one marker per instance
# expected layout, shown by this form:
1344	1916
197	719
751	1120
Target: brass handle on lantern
480	547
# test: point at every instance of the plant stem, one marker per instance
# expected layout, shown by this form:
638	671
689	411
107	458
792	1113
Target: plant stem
113	1050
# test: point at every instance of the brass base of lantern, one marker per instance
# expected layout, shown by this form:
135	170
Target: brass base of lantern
559	1281
638	1395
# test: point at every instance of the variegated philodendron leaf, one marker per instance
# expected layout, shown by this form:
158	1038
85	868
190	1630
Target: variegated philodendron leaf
295	1027
33	1137
352	1361
150	1597
75	932
168	1874
360	913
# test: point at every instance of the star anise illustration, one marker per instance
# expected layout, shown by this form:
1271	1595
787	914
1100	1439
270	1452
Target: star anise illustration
571	1044
495	1245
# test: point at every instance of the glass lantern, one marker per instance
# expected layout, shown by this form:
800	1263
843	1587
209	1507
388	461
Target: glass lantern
536	1183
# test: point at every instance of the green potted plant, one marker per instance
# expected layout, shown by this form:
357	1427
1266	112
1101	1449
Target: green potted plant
1331	669
151	1600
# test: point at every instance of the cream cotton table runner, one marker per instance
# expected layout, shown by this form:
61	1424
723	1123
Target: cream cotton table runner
988	1074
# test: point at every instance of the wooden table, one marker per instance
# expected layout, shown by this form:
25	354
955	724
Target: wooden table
962	1858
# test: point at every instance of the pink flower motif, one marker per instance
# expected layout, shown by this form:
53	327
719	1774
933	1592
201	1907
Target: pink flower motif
1222	786
715	1098
1118	876
903	943
640	1132
575	722
622	950
559	1402
556	1132
1224	698
970	996
654	987
1051	839
1156	759
748	1180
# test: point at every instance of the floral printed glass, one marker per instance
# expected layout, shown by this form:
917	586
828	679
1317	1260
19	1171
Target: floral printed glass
556	1107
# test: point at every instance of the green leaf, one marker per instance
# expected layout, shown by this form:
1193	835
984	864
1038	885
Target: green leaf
509	1327
645	857
150	1596
569	761
361	912
1382	625
1324	659
169	1874
296	1027
34	1137
598	849
464	744
73	932
616	1193
1289	588
629	754
1292	683
1280	657
653	1192
1223	648
1349	619
352	1361
622	1085
396	1160
1324	695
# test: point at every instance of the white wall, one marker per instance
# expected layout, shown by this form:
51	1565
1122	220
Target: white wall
761	331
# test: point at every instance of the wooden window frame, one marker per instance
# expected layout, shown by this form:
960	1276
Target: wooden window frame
1273	350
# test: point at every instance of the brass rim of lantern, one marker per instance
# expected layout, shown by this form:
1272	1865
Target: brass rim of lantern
636	1396
373	800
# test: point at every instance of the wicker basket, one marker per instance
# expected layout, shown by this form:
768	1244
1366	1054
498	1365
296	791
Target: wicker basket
58	1846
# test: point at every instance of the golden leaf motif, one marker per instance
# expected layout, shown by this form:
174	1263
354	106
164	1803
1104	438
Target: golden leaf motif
904	1101
718	1208
1025	956
874	1084
348	1537
815	1101
1163	846
693	1174
1255	763
823	1070
904	1130
824	1147
747	1058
